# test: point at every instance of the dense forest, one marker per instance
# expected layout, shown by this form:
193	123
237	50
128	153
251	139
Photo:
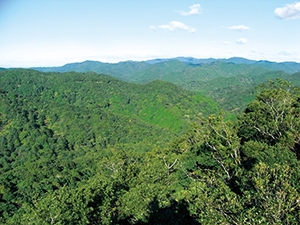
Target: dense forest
88	148
229	82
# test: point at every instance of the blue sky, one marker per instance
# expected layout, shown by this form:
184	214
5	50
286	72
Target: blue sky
56	32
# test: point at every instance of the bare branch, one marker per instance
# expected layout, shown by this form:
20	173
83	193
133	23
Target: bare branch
223	166
169	167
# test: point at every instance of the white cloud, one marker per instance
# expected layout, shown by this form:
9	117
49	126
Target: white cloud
284	53
289	11
194	10
153	27
175	25
239	28
226	43
241	41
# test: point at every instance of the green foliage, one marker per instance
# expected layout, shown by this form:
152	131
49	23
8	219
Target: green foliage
273	118
273	199
89	149
230	82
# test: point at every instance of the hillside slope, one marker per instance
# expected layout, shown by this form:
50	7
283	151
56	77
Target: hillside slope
234	93
84	148
124	70
157	103
230	82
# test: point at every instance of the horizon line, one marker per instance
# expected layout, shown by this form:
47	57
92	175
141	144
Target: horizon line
151	59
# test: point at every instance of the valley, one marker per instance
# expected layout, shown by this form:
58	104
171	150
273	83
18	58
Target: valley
166	141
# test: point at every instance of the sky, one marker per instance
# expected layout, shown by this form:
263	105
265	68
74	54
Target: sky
56	32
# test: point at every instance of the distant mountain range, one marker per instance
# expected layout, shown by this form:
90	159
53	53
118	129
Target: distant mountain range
230	82
290	67
135	66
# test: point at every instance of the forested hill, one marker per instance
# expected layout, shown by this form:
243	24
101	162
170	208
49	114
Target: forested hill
174	71
229	82
126	68
157	103
121	70
86	148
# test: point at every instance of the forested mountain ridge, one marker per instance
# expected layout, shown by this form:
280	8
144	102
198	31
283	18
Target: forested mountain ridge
221	79
127	67
234	93
120	70
174	70
84	148
289	67
142	101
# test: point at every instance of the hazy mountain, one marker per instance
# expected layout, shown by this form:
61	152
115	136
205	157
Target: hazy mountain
120	70
230	82
173	70
125	70
290	67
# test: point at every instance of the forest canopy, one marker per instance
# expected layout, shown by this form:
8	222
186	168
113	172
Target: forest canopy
86	148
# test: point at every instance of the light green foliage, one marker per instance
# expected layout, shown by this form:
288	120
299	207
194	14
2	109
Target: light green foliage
273	118
64	206
275	200
89	149
212	202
